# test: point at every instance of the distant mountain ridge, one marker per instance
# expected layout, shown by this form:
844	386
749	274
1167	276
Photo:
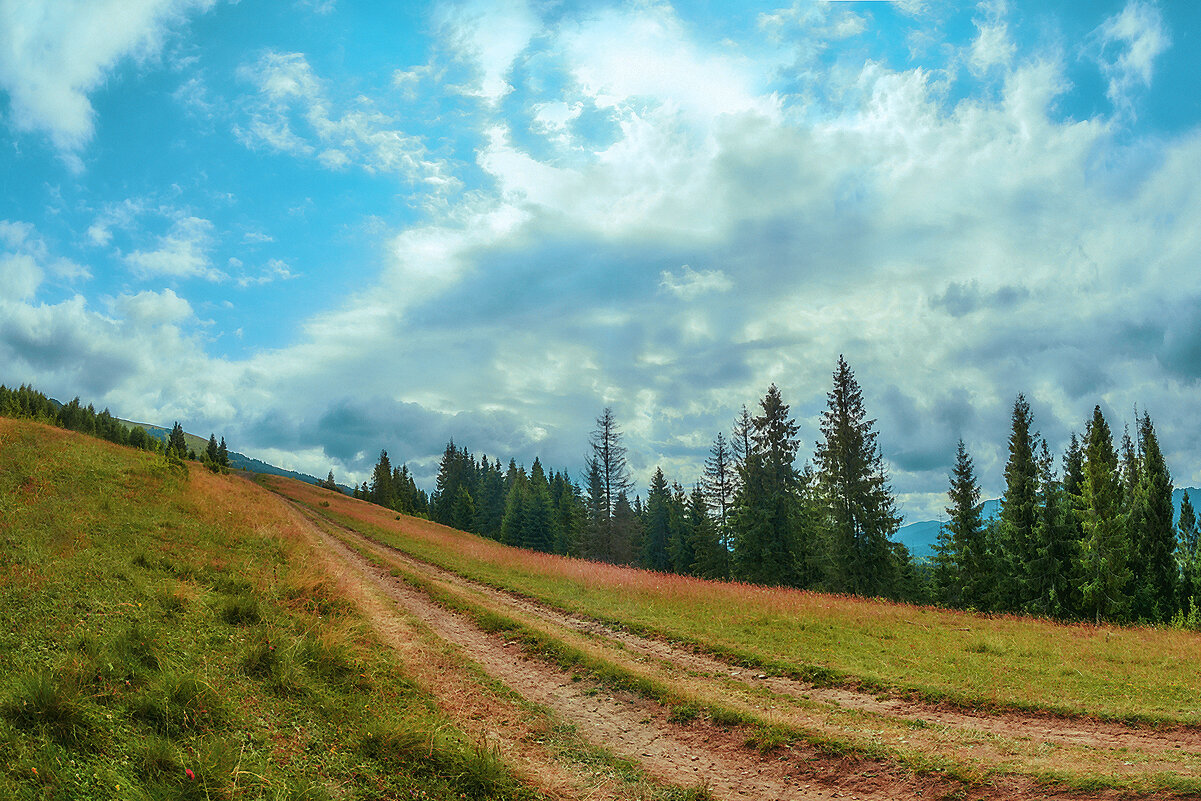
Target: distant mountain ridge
921	537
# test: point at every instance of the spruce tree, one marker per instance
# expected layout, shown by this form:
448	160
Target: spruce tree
720	483
861	514
1105	549
381	481
961	569
210	451
1052	573
657	524
680	551
1019	514
1187	557
512	526
536	523
1152	532
223	455
177	445
711	558
613	479
770	542
463	510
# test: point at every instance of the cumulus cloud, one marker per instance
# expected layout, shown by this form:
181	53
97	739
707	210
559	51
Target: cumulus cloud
183	252
992	46
53	54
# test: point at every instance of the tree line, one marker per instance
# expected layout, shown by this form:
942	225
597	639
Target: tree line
1097	539
1093	540
27	402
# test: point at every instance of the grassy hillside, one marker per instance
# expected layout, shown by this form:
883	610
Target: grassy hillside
161	636
1134	674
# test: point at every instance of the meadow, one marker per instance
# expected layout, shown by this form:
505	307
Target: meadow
1140	675
165	635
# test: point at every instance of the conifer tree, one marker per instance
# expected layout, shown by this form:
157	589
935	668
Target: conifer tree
463	510
711	558
177	446
860	510
720	484
1052	574
1152	532
657	525
627	530
381	481
569	515
613	479
1019	514
1105	549
680	552
223	454
1187	557
961	570
512	526
767	515
210	451
536	521
490	504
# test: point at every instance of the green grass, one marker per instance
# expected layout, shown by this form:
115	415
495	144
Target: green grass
161	637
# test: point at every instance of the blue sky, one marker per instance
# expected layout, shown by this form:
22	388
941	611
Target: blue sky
325	227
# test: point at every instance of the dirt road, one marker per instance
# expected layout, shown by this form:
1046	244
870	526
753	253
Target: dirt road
703	754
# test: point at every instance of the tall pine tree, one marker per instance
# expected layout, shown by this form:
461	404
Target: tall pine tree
1152	532
766	509
861	514
1105	549
1019	514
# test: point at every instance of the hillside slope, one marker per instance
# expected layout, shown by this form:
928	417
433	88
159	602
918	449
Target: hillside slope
164	635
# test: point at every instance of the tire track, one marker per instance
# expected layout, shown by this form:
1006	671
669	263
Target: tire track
698	754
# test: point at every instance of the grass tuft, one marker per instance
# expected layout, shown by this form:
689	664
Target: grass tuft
241	610
52	703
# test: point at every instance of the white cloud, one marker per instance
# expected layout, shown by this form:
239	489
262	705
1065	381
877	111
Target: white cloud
154	308
1138	35
992	46
691	284
620	58
25	260
490	36
183	252
292	113
275	270
53	54
20	275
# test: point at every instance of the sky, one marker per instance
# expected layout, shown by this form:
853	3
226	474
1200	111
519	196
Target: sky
320	228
